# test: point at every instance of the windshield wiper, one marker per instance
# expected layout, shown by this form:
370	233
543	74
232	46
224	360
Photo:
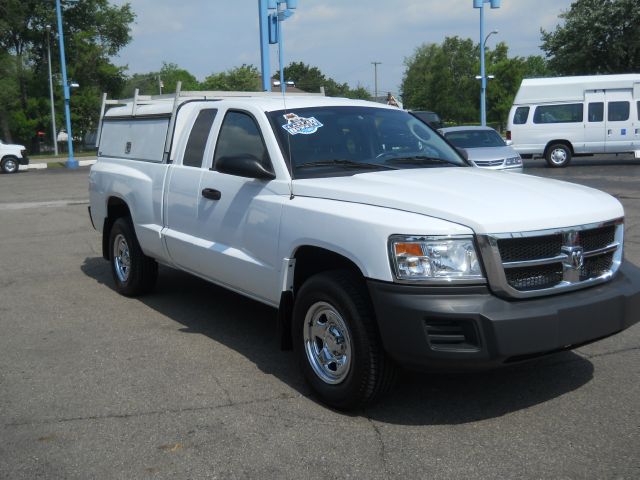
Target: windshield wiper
419	160
345	163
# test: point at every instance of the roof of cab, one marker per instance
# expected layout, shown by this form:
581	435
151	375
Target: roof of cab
265	103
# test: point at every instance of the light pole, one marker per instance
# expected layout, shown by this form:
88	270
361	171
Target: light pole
53	108
271	33
375	78
71	162
483	77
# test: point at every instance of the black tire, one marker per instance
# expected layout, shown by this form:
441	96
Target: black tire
9	165
369	372
558	155
133	272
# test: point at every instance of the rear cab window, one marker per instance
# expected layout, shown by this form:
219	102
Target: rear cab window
194	152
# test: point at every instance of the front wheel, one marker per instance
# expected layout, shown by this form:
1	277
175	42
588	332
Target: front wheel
133	272
337	343
9	165
558	155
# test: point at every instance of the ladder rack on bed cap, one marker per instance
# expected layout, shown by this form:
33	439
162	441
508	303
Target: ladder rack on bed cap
177	98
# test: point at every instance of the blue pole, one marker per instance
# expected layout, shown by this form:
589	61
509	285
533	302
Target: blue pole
483	77
281	54
264	45
71	162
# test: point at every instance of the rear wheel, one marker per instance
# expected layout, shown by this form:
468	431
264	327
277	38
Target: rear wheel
133	272
337	343
9	165
558	155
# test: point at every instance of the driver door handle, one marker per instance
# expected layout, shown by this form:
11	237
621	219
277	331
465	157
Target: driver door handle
211	194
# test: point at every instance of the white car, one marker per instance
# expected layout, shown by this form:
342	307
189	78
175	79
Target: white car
12	156
376	241
484	147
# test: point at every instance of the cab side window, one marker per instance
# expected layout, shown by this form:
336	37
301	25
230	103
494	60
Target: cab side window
240	137
194	153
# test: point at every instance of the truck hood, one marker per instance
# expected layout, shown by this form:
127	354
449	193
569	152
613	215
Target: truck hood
484	200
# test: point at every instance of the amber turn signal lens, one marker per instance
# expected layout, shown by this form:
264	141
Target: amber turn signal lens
414	249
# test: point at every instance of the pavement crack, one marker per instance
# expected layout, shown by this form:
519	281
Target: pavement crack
149	413
383	448
606	354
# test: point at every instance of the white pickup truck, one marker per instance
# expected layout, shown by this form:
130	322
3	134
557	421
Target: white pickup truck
373	237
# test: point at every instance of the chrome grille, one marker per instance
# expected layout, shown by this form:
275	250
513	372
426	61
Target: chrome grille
540	263
489	163
518	249
534	278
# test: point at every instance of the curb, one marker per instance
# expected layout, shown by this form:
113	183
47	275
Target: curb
42	166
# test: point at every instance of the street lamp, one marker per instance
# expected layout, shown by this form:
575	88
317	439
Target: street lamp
483	77
375	78
271	33
71	162
53	108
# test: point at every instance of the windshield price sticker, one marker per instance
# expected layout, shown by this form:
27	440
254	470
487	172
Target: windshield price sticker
304	126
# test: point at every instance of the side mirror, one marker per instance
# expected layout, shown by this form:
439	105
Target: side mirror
463	153
243	166
508	143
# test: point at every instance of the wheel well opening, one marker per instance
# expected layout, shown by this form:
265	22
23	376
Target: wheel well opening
555	142
309	261
313	260
116	208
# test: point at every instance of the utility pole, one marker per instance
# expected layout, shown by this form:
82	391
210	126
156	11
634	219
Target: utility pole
54	130
375	77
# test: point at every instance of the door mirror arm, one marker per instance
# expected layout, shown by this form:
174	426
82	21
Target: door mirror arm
247	166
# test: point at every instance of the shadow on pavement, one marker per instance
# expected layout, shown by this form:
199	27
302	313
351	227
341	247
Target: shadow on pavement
249	328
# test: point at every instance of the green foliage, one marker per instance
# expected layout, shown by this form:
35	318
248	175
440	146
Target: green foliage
170	74
94	30
441	78
245	78
598	36
311	79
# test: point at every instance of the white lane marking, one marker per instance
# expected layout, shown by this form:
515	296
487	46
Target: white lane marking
52	203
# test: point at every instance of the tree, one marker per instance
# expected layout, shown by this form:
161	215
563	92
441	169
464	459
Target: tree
245	78
170	74
442	78
598	36
311	79
94	31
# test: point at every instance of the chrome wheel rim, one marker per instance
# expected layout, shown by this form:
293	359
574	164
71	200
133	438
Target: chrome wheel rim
121	258
327	343
10	166
559	156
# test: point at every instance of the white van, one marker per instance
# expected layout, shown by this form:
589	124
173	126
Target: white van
559	118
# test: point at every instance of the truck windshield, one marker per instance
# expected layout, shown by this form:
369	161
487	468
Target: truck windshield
337	141
475	138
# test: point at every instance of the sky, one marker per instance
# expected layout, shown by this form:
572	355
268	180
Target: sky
341	37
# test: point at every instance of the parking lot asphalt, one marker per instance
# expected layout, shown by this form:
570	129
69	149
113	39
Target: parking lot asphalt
188	382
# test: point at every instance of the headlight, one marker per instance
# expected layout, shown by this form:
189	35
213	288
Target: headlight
434	258
512	161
